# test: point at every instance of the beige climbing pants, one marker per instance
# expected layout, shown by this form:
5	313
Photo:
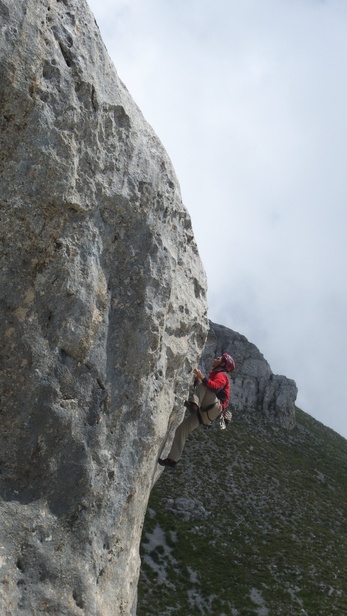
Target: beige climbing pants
203	397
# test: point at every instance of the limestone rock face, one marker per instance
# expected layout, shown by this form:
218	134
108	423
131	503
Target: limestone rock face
103	315
254	387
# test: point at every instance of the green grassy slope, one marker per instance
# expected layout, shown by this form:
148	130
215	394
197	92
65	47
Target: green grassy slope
267	530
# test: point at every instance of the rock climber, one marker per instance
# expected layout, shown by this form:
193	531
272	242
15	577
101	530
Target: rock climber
209	400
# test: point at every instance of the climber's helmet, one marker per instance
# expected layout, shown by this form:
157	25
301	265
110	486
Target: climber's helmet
228	362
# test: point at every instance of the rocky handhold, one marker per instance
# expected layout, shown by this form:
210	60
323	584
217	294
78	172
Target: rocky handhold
254	387
103	315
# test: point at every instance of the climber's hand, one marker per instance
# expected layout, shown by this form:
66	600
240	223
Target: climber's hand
199	374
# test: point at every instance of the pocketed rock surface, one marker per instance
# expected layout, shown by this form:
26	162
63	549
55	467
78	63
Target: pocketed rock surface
103	315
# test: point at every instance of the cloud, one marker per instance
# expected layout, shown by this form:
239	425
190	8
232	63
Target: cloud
249	100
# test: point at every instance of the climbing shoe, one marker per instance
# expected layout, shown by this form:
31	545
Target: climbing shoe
167	462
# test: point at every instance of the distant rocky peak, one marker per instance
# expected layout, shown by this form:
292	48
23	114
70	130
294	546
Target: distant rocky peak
255	389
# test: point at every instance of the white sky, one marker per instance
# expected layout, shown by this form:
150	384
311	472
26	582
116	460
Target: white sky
249	98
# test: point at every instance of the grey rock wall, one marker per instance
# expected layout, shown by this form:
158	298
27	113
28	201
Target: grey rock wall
255	389
103	315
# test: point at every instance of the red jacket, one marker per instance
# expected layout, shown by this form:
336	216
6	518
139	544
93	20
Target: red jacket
218	382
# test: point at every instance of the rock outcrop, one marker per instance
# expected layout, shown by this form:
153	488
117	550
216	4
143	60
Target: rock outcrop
254	387
103	315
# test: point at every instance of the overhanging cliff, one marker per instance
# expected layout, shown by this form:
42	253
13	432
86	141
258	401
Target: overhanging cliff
103	315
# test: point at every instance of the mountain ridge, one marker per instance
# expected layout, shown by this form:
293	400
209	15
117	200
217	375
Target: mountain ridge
251	522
